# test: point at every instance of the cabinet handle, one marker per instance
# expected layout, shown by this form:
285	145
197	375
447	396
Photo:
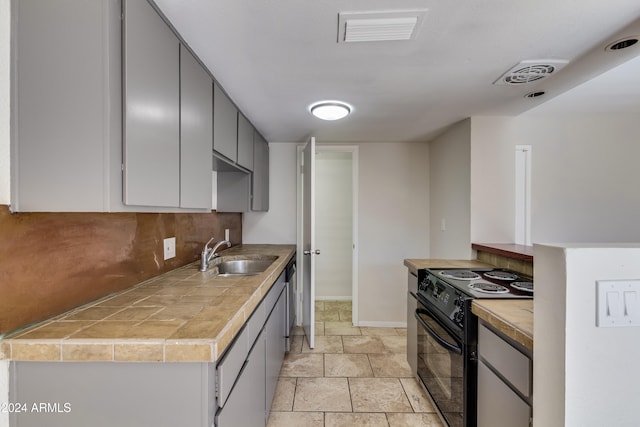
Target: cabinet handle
316	252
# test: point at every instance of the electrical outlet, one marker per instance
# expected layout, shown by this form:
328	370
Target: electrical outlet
169	248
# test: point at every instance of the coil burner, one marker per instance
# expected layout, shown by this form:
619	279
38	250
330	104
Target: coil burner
488	288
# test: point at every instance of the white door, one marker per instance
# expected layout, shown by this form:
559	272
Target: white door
308	241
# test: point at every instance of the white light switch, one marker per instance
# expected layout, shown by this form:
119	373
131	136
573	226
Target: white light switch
169	248
617	303
226	234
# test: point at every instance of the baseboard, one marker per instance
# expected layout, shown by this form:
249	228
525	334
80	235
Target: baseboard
370	324
343	298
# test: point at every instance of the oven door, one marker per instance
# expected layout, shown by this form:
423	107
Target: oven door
441	364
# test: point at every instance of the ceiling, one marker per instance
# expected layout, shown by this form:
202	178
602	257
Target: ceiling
276	57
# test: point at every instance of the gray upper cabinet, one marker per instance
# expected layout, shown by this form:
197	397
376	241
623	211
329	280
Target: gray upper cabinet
225	125
151	108
65	105
196	132
245	142
260	178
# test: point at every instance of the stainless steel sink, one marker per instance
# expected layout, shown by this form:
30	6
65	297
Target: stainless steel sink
244	267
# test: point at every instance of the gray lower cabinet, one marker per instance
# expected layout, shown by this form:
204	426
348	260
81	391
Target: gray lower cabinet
505	381
107	394
260	177
275	332
246	403
151	108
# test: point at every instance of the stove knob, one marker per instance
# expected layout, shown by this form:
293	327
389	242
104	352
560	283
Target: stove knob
458	316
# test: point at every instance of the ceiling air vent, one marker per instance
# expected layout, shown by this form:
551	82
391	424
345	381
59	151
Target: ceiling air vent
531	71
379	26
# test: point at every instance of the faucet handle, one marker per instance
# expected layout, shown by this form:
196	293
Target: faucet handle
209	242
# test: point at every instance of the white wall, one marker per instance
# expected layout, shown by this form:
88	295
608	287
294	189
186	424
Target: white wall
583	375
278	225
393	220
5	26
394	217
334	224
449	192
492	180
584	177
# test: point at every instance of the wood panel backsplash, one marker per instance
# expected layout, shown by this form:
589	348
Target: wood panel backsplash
53	262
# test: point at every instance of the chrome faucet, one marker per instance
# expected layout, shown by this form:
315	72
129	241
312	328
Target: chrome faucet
209	253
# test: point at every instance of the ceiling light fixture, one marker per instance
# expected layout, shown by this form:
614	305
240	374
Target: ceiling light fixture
330	110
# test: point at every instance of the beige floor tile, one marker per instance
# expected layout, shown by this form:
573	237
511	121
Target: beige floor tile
337	305
302	365
378	395
395	344
322	394
319	305
296	343
283	397
319	329
342	419
296	419
346	315
347	365
417	396
414	420
324	344
402	331
390	365
327	316
379	331
340	328
363	344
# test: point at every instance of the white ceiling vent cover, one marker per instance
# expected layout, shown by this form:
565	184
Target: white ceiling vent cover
531	71
379	26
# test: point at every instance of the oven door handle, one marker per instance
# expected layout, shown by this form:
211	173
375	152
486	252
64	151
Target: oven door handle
434	335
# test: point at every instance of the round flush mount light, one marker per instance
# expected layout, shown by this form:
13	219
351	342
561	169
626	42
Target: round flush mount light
622	44
330	110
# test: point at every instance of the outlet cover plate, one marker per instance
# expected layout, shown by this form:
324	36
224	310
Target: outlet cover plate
169	248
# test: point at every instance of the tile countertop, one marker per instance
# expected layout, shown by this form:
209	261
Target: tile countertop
180	316
512	317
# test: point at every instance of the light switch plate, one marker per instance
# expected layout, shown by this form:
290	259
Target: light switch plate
618	303
169	248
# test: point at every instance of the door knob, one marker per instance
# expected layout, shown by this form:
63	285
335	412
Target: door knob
316	252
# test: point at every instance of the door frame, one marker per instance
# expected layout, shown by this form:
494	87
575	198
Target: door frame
354	150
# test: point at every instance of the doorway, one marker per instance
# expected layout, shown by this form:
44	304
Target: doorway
336	220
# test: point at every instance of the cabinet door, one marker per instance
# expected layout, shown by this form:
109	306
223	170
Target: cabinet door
196	133
246	404
245	142
60	112
260	178
225	125
276	343
151	103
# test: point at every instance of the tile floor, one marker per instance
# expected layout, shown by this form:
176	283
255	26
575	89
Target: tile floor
353	377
